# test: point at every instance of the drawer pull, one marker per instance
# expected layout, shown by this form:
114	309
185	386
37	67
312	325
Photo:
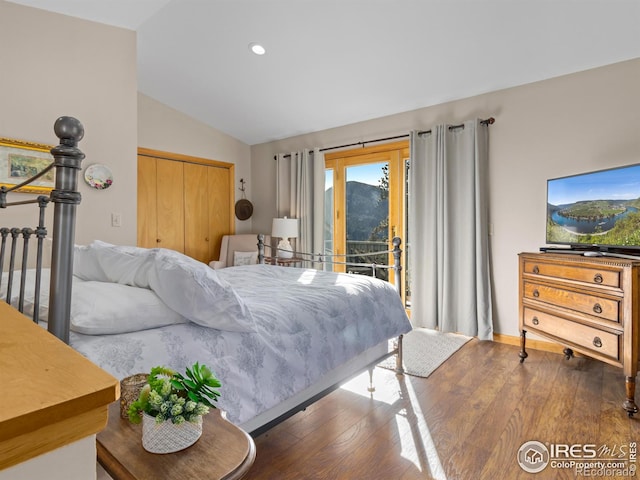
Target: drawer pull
597	308
597	278
536	270
597	342
535	320
536	293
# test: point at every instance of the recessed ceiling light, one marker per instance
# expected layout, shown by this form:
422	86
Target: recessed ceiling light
257	48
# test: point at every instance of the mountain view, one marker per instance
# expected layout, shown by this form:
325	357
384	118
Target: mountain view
366	212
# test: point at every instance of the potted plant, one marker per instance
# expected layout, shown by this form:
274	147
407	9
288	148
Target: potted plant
171	406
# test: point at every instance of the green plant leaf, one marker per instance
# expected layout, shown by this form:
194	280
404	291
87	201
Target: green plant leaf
193	396
213	382
190	384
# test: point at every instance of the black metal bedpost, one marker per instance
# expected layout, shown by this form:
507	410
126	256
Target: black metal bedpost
397	265
261	248
67	160
41	233
397	276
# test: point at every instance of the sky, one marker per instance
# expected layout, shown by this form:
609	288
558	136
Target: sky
370	173
615	184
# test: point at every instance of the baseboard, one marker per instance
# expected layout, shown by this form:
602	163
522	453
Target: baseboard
531	343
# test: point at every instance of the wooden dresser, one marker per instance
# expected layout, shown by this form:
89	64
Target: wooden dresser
587	304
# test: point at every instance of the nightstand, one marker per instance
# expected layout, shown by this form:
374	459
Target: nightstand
224	451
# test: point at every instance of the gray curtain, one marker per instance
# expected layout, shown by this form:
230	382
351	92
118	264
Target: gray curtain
449	257
300	194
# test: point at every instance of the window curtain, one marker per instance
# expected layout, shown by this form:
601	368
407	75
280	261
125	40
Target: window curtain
300	194
449	257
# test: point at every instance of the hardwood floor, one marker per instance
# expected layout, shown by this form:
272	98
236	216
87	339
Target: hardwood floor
466	421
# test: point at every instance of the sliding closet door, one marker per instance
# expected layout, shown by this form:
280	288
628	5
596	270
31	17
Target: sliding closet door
208	199
196	212
160	203
147	203
184	203
170	200
221	202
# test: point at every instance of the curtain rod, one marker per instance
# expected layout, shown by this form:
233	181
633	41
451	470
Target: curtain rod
488	121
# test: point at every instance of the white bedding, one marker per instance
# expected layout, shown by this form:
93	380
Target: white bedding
304	323
98	308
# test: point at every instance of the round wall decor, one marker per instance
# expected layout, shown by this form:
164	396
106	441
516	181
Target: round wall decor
244	209
98	176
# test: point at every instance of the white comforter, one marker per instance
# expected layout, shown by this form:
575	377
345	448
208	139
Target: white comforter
298	325
306	323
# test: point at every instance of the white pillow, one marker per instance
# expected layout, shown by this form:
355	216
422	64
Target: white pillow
185	285
99	308
244	258
86	265
125	264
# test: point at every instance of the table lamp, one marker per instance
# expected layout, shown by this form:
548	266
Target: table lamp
284	228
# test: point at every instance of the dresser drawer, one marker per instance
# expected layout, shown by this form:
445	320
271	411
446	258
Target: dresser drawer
591	304
586	274
599	341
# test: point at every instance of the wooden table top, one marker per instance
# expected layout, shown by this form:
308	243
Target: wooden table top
52	396
224	451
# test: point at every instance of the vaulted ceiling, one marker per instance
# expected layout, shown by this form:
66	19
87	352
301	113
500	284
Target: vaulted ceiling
330	63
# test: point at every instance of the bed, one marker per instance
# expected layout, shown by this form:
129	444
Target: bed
278	338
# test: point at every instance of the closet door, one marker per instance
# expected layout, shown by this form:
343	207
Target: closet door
221	202
196	212
170	195
147	204
184	203
160	203
207	197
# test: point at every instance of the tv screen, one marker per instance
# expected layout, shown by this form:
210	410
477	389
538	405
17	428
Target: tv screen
598	209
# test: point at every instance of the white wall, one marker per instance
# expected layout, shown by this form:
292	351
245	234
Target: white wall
570	124
74	461
163	128
56	65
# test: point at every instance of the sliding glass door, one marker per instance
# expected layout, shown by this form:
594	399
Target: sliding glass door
365	205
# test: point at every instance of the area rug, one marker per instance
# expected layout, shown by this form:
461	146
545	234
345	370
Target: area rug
424	350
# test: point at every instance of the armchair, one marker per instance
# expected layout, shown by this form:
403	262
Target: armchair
238	250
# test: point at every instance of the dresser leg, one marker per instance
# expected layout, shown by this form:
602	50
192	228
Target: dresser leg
630	404
523	340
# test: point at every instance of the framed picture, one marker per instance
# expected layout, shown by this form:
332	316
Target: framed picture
20	160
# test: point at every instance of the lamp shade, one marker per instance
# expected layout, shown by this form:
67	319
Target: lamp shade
284	227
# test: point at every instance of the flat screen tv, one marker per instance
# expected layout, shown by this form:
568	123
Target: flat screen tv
597	210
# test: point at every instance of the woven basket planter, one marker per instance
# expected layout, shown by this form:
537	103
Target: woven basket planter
167	437
130	390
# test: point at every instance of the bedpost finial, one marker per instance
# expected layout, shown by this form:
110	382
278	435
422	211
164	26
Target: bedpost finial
396	241
69	130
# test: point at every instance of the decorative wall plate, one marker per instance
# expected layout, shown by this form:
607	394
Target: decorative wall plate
98	176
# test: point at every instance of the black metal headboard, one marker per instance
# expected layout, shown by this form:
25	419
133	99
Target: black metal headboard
67	160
